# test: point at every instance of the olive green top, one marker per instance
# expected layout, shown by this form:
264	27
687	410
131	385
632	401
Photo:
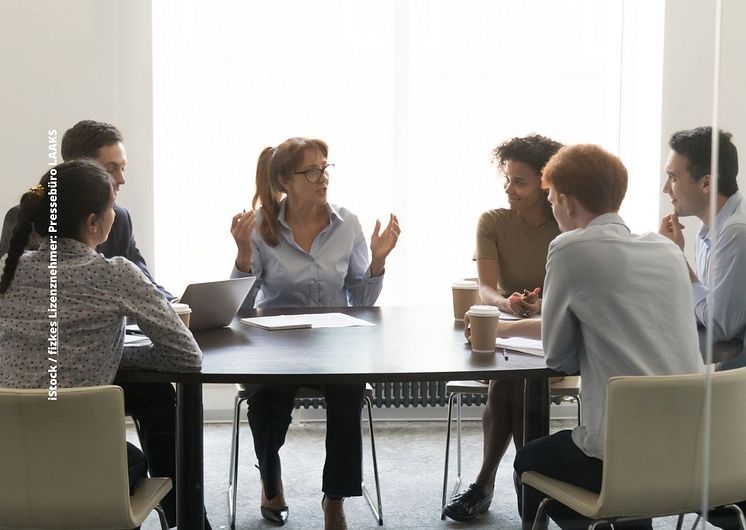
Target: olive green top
520	250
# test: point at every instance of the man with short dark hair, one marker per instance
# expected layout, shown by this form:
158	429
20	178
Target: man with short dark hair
152	405
104	143
720	250
601	314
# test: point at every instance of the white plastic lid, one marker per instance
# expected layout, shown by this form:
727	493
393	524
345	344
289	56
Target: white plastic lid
465	284
483	311
181	309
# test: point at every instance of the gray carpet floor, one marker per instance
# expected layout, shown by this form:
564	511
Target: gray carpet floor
410	459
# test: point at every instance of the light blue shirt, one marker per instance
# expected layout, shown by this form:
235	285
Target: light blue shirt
720	259
335	273
615	303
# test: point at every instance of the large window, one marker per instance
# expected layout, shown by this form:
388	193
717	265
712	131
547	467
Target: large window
411	97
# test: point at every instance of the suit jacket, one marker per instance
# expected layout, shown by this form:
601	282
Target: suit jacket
121	241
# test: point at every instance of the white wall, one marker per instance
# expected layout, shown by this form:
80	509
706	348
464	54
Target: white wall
688	79
62	62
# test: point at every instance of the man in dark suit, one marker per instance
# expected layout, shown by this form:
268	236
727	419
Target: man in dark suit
103	143
151	405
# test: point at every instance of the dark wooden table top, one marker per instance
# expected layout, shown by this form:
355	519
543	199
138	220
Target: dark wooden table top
406	344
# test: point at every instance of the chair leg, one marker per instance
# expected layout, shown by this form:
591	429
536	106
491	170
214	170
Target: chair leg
161	517
233	467
696	522
541	522
451	398
739	513
679	521
377	512
458	440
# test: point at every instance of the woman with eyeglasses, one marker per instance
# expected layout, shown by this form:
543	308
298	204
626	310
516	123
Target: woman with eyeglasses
306	252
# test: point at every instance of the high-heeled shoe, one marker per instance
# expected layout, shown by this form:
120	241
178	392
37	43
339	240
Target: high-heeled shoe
276	515
334	514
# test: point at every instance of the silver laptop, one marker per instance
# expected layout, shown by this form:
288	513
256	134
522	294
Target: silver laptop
214	304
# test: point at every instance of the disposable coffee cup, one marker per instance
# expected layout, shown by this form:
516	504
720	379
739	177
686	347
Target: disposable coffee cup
465	295
184	312
483	320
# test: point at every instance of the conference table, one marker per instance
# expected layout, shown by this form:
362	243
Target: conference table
405	344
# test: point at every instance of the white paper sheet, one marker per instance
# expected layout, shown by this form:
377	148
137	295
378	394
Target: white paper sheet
311	320
531	346
508	316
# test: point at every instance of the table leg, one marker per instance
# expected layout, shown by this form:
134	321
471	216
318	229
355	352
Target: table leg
190	511
535	425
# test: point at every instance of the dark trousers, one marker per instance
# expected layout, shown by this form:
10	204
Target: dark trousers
153	407
558	457
269	417
136	466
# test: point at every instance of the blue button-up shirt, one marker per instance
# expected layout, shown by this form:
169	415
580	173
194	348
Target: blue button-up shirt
615	303
720	259
334	273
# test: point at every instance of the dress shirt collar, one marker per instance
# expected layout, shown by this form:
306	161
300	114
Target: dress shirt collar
69	246
728	209
607	219
334	215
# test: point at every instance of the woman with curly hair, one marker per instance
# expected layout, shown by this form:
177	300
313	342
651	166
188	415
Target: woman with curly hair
511	253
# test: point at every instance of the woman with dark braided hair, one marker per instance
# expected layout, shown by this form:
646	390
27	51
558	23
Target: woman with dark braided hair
72	210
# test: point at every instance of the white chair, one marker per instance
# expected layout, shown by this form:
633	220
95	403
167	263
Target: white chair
654	450
64	462
567	389
242	394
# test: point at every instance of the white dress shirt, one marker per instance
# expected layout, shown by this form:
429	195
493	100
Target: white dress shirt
615	303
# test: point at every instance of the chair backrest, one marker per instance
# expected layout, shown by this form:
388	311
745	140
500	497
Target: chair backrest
654	446
63	463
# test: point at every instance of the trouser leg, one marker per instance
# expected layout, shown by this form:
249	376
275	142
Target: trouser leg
558	457
136	466
270	407
153	405
343	472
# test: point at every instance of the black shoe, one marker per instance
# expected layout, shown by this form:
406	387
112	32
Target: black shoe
468	505
276	516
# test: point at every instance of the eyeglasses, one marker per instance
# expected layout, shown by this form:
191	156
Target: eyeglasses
314	175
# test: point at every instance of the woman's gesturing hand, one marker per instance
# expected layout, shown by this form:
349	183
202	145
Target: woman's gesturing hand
381	244
241	228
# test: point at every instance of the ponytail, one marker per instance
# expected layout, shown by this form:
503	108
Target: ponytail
268	194
32	205
275	166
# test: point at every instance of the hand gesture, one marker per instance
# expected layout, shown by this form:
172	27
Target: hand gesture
671	228
241	228
381	244
526	304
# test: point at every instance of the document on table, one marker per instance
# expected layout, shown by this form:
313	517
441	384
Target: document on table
531	346
305	321
508	316
134	337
